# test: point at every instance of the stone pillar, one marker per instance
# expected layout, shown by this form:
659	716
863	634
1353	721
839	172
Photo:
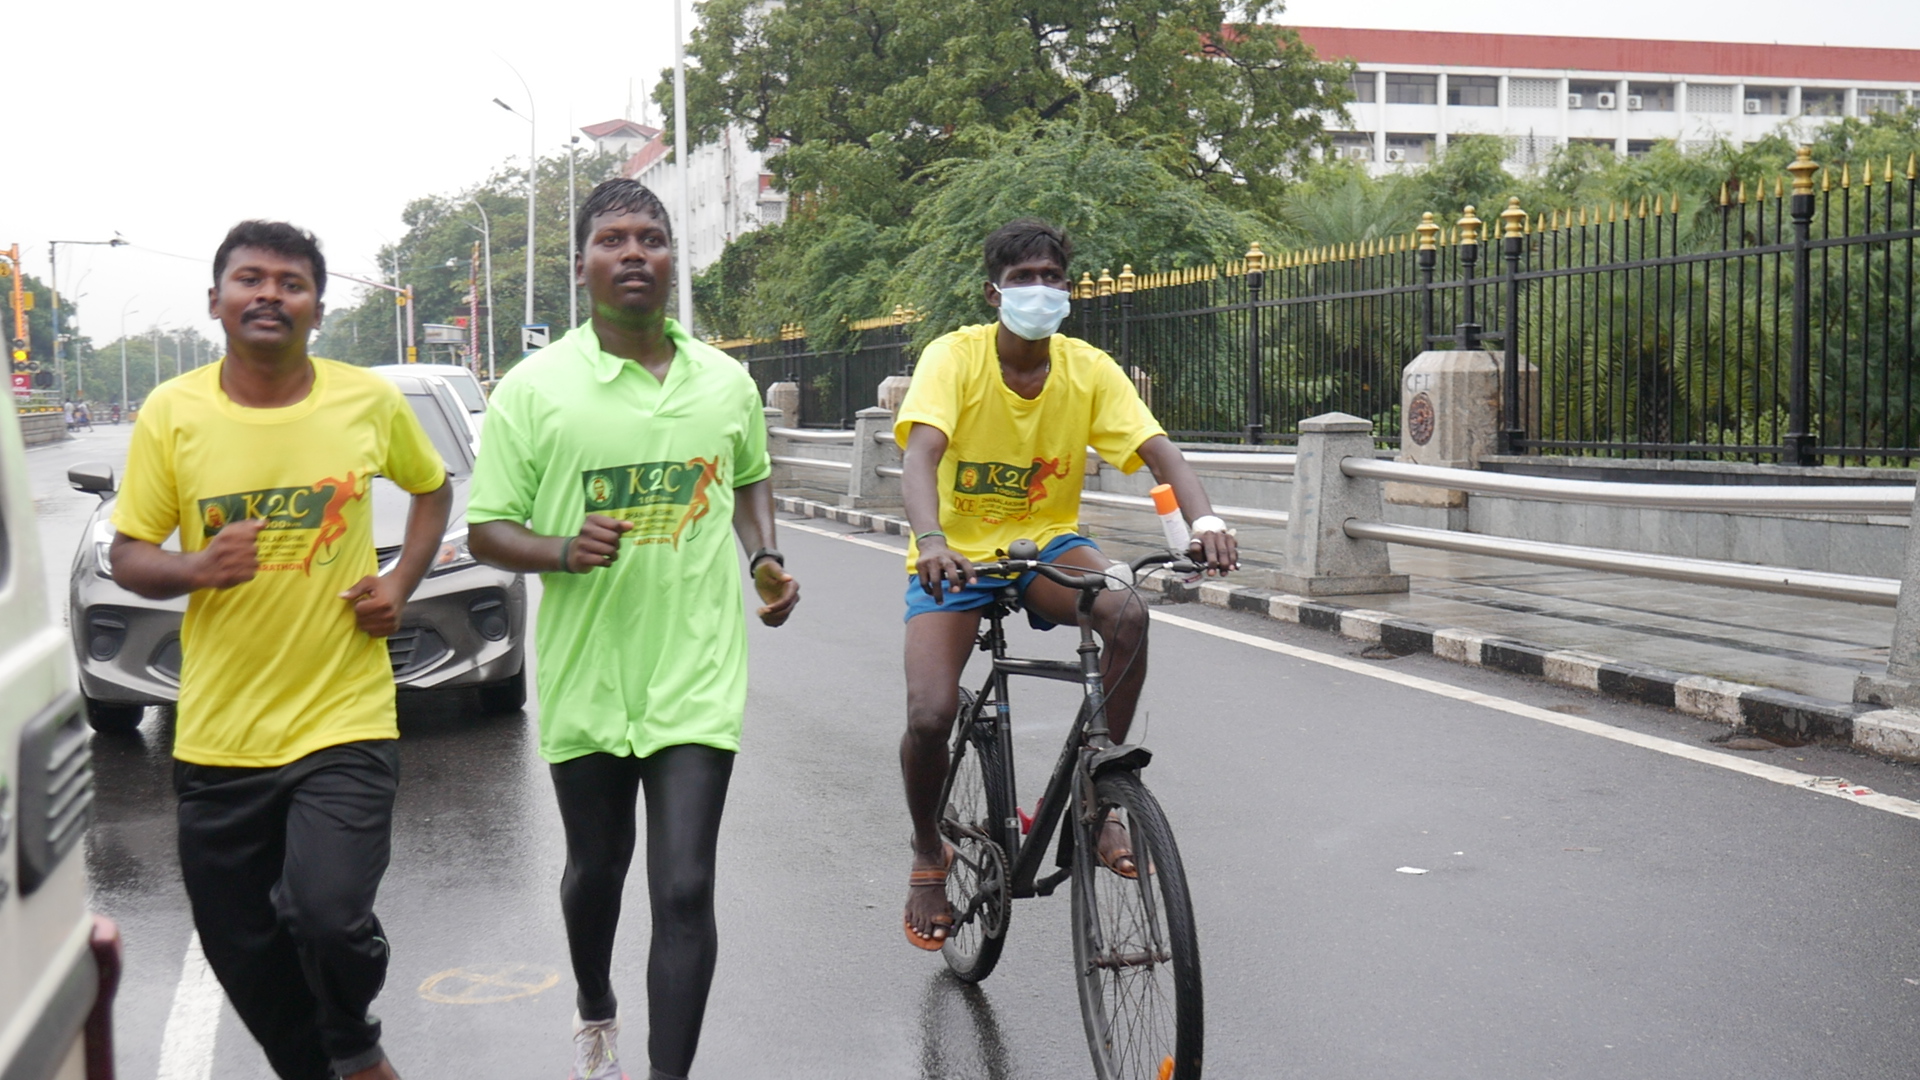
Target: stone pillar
782	475
785	398
866	488
1321	559
1900	686
1450	417
893	391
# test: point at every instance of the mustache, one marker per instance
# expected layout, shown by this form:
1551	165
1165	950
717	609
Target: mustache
264	311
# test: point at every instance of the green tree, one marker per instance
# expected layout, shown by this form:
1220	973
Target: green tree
867	95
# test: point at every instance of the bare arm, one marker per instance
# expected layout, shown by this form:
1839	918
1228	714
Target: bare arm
1169	466
510	545
753	523
142	568
920	491
379	599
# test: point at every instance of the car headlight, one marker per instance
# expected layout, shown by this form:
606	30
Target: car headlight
103	548
453	554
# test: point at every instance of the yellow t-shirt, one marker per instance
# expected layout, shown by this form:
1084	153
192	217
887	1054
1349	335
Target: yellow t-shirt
276	668
1014	468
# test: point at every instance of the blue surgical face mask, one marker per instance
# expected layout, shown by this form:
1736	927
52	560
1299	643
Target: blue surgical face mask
1033	312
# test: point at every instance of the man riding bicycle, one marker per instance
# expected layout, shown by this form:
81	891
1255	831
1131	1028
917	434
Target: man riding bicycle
996	427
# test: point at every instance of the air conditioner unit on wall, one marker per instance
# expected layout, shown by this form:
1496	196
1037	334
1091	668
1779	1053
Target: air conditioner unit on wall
1753	106
1360	153
1603	100
1635	102
1576	101
1395	153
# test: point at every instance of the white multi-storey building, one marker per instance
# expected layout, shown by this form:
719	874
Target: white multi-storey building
1413	90
732	190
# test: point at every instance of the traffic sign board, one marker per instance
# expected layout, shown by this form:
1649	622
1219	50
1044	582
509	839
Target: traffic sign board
534	336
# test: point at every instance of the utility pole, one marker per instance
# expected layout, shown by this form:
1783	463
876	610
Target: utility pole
573	207
683	268
53	284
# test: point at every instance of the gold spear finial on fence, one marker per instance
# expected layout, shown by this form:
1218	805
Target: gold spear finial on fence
1426	231
1469	227
899	315
1105	283
1846	175
1126	277
1255	258
1513	218
1866	175
1723	193
1083	289
1912	160
1802	169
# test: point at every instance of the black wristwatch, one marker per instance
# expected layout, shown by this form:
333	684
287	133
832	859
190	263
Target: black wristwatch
753	560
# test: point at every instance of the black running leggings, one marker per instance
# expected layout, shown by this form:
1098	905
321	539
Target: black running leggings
686	788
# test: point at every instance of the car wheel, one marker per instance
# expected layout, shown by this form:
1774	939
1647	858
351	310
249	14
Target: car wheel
507	695
111	719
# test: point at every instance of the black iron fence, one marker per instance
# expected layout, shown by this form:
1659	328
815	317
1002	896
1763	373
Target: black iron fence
1777	324
837	381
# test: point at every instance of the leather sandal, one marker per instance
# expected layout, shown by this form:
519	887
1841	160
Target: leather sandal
931	877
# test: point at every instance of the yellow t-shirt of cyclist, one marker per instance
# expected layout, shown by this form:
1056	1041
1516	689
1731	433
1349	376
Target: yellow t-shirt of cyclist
1014	468
278	667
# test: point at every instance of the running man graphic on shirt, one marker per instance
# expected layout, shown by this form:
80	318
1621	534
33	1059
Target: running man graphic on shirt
665	500
303	523
996	491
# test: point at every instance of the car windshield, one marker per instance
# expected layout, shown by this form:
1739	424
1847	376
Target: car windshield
452	447
469	392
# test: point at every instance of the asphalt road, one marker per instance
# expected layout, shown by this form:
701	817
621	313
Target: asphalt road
1593	907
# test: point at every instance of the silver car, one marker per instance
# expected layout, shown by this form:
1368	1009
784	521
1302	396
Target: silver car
464	627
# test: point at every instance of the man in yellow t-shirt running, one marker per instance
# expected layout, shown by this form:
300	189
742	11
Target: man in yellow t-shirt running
284	743
996	427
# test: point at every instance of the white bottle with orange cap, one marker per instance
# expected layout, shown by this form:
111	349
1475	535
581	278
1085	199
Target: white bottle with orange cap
1172	523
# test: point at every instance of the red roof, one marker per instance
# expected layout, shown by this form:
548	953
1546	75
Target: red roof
1720	58
644	157
619	127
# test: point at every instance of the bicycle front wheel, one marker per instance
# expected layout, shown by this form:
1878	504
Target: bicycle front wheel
1134	948
972	817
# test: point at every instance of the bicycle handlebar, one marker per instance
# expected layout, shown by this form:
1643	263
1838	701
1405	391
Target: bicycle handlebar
1007	567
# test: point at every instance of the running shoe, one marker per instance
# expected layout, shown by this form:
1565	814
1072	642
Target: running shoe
595	1057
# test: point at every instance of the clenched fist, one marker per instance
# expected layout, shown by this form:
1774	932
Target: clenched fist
230	558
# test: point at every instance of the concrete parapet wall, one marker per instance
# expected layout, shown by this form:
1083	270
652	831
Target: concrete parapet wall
1872	546
40	428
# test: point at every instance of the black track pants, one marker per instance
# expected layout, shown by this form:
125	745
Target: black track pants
686	789
281	866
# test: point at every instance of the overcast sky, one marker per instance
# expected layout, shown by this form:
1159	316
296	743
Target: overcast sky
170	121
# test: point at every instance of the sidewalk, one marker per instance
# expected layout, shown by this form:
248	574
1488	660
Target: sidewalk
1809	648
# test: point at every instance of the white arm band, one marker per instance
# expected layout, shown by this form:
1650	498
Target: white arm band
1206	524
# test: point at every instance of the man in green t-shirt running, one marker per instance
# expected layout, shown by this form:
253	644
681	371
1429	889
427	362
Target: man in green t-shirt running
611	462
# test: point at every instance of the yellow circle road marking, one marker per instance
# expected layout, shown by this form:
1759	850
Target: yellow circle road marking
487	984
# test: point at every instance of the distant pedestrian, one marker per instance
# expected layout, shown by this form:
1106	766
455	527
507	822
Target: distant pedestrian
629	447
286	768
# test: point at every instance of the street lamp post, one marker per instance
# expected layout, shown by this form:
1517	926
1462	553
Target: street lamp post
486	240
683	156
123	349
533	175
53	284
573	279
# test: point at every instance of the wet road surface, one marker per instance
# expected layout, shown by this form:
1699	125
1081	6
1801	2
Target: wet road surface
1593	909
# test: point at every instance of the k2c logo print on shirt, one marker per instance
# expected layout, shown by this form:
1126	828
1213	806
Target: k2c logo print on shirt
303	523
995	491
665	500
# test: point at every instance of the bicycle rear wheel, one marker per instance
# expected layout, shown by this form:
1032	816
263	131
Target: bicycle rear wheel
1134	947
974	814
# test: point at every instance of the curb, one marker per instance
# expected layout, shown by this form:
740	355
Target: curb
1739	706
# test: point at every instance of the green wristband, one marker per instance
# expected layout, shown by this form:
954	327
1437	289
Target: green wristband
929	532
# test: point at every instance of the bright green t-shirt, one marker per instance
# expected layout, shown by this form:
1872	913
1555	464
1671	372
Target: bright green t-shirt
652	651
276	668
1014	467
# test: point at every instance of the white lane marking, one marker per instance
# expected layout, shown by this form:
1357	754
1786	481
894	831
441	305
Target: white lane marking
830	534
1825	785
186	1050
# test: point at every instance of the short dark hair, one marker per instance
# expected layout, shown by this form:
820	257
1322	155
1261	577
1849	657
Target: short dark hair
1023	239
619	195
279	238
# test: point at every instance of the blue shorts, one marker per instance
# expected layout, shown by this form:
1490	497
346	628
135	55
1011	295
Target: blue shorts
981	593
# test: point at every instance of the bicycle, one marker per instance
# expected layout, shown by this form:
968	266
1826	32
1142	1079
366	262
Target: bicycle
1135	950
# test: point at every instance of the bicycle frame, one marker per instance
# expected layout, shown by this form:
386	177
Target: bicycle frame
1088	737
